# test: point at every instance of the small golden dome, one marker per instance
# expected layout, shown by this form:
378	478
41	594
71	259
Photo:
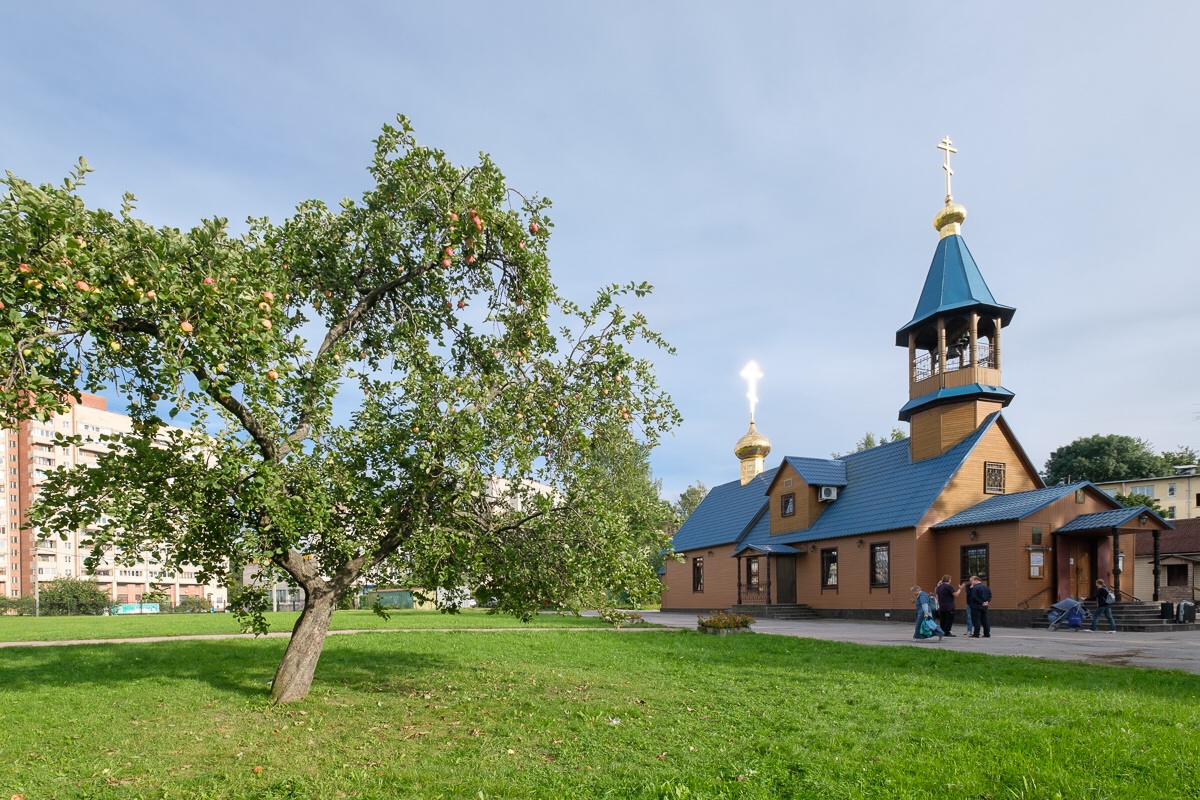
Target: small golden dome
949	219
752	444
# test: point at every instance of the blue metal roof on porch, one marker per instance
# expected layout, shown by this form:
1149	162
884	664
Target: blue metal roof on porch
780	549
1115	518
1006	507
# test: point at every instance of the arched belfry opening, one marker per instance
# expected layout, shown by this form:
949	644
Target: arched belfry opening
953	341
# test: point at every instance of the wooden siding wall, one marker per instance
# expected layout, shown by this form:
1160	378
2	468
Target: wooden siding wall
854	589
936	430
808	507
966	487
954	378
720	581
1009	551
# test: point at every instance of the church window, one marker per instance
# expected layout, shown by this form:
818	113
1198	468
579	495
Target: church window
881	573
787	504
829	568
1080	496
975	561
993	477
1036	534
752	580
697	574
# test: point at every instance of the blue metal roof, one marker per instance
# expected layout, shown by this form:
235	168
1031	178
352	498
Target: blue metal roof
1010	506
884	491
943	395
1109	519
783	549
819	471
954	282
724	513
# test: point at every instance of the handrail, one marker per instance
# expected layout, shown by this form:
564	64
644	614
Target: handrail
1024	604
1129	598
1122	597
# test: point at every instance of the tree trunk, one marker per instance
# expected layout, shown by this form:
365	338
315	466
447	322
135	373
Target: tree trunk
295	673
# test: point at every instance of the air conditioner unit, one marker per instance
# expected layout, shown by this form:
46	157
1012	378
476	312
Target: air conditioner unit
825	493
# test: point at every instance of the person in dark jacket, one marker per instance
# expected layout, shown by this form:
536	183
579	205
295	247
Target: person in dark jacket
979	597
945	593
1104	598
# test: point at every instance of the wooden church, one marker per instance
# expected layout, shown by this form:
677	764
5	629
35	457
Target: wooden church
849	536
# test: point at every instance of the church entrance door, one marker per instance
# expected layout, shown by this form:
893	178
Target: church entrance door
1081	574
786	566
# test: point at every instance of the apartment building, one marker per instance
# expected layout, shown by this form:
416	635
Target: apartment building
30	454
1178	493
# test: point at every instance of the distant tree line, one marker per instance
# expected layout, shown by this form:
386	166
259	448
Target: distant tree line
1113	457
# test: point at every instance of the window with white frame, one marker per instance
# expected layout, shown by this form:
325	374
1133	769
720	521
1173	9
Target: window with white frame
1170	490
993	477
1142	491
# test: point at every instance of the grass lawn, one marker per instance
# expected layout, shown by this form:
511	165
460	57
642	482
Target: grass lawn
559	714
128	626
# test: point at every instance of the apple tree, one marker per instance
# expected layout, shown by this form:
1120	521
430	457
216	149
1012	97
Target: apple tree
388	390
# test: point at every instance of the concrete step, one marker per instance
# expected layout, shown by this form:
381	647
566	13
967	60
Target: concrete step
1132	618
788	611
797	611
1163	627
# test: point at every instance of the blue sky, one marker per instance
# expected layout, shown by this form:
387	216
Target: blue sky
770	167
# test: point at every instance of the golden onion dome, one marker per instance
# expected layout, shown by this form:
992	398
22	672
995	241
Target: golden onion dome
949	219
751	444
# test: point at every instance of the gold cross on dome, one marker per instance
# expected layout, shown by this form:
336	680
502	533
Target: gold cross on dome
945	145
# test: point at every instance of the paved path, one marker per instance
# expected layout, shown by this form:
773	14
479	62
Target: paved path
283	634
1180	650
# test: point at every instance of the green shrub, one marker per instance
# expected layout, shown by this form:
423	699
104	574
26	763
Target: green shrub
69	596
21	606
193	605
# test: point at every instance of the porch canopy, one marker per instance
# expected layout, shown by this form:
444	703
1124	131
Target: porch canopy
1115	522
760	592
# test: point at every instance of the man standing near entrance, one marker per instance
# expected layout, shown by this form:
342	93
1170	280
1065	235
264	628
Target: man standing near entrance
979	597
946	593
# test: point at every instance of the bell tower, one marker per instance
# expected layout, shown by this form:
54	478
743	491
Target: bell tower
953	341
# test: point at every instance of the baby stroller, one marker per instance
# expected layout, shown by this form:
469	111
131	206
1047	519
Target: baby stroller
1069	612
